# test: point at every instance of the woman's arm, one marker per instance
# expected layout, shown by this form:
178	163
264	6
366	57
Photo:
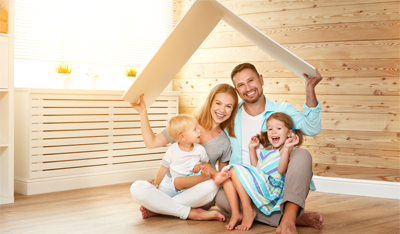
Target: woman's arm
150	139
160	175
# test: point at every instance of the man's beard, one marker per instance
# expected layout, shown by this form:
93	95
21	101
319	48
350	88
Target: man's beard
255	100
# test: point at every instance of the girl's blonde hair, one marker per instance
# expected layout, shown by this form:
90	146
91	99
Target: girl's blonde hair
177	125
287	121
203	114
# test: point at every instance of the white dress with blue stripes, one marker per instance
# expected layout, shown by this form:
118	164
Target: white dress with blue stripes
263	183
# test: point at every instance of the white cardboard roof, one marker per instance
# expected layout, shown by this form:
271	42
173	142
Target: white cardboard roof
186	38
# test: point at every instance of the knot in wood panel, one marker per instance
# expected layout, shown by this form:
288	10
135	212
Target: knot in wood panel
328	169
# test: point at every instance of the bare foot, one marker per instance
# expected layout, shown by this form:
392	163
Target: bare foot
205	173
286	227
235	218
146	213
248	218
200	214
313	219
221	176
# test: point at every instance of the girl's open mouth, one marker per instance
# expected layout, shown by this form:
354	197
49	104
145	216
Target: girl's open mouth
275	140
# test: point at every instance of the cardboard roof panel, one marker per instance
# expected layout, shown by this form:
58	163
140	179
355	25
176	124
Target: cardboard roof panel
186	38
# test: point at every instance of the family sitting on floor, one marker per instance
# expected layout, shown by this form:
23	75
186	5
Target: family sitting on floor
262	173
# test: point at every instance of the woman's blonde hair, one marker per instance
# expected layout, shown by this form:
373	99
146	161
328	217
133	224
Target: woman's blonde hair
287	121
177	125
203	114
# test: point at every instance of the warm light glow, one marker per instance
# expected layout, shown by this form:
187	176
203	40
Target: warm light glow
40	74
106	36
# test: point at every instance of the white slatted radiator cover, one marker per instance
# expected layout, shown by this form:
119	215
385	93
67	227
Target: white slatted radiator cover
91	132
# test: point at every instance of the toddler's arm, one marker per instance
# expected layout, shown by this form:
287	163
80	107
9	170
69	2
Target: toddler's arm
160	175
252	150
190	181
285	151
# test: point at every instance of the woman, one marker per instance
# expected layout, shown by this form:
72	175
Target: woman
217	114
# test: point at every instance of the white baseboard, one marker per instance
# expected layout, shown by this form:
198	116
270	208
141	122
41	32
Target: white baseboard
48	185
367	188
6	200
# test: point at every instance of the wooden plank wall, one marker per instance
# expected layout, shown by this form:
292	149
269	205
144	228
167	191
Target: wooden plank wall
354	45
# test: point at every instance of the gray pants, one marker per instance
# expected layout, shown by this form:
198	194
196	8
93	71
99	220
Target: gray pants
297	185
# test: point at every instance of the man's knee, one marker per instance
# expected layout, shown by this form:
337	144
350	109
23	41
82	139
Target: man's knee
301	156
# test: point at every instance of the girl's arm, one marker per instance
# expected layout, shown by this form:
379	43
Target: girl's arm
160	175
252	150
284	162
150	139
285	151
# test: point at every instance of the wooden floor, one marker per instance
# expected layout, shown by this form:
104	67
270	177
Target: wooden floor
110	209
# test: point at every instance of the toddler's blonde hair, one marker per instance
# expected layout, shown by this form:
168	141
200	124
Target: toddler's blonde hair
177	125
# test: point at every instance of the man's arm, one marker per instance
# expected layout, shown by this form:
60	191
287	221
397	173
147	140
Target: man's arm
311	82
308	121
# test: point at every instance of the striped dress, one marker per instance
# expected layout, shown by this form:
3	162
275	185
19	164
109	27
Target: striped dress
263	183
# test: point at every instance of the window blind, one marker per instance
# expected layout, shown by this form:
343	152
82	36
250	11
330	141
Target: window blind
118	32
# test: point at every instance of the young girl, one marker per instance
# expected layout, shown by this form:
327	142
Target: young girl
263	181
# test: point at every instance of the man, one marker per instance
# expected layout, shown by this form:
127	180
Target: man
250	119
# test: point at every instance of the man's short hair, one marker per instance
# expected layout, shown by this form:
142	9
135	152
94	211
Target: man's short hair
177	125
240	68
